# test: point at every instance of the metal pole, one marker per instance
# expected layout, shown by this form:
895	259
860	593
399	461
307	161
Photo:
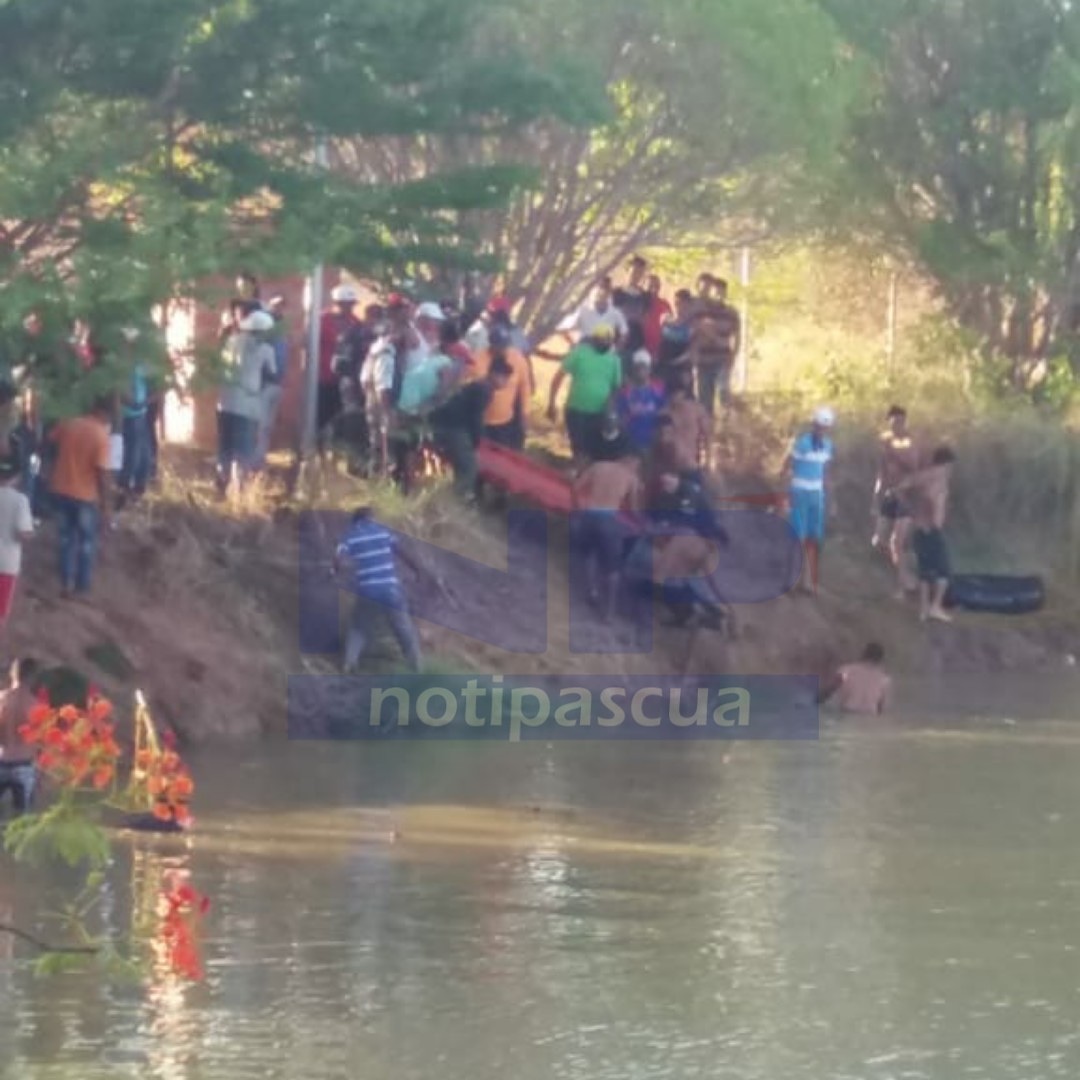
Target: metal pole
744	351
890	320
314	312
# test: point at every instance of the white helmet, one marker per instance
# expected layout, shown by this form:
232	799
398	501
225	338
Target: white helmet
824	417
429	310
344	294
258	322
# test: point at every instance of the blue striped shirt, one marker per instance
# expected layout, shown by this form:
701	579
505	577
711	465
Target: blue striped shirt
369	547
809	460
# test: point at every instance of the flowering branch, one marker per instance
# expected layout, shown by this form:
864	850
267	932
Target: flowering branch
79	750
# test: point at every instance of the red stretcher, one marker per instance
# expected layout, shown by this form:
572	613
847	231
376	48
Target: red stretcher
549	489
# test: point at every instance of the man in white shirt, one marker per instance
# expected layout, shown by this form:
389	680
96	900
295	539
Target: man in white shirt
16	525
602	312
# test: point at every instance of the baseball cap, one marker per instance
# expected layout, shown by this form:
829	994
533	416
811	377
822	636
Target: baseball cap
429	310
497	304
603	332
824	417
642	358
344	294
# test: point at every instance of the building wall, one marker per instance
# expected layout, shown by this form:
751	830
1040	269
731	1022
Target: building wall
207	325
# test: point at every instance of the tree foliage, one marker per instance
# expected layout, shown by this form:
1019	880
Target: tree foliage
966	151
146	145
696	123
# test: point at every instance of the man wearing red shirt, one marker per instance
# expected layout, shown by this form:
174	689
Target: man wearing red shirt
657	312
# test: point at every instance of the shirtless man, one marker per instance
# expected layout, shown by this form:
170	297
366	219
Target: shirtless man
862	688
18	773
929	490
600	491
685	444
892	514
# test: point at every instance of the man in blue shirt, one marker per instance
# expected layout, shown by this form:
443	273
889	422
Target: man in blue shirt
640	403
368	551
807	467
135	424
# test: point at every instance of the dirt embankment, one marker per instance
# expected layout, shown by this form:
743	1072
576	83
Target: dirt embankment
198	607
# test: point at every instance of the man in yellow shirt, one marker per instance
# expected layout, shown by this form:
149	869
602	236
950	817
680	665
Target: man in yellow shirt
507	411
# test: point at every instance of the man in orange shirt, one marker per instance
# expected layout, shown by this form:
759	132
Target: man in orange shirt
505	417
80	492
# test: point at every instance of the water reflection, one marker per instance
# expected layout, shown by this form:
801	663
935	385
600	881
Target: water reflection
895	901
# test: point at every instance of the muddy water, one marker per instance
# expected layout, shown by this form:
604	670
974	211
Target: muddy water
898	900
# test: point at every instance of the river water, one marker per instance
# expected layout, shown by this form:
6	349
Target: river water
898	900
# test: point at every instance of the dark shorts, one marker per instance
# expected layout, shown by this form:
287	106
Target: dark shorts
586	431
508	435
893	508
237	436
600	534
932	554
327	404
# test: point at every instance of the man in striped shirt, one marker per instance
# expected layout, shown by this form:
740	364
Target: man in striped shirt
368	550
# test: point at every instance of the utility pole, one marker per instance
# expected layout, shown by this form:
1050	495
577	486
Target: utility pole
314	310
744	351
891	320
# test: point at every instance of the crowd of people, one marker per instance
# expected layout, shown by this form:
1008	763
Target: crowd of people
642	379
403	380
637	389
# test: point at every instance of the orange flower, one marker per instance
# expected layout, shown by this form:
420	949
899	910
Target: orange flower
102	777
163	812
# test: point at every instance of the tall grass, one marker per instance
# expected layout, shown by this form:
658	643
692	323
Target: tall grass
1016	492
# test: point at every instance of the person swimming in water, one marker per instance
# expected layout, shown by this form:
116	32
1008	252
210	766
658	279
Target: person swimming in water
863	688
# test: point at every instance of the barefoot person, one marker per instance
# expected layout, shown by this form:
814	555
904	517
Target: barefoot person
600	492
891	511
862	688
929	491
685	430
807	466
18	773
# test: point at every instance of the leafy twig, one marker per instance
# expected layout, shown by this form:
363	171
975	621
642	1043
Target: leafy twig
44	946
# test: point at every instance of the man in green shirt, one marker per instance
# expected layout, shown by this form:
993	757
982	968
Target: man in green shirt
595	373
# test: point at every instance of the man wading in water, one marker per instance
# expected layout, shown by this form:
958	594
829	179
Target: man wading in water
929	490
891	512
862	688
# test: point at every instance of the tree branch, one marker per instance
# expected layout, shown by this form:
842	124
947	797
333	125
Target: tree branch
45	947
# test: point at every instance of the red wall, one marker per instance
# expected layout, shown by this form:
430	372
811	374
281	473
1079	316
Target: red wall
207	327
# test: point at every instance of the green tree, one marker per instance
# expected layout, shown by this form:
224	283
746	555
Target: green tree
701	117
146	145
966	152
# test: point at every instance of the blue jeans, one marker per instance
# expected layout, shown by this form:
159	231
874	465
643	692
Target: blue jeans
381	602
18	778
712	377
135	471
78	541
